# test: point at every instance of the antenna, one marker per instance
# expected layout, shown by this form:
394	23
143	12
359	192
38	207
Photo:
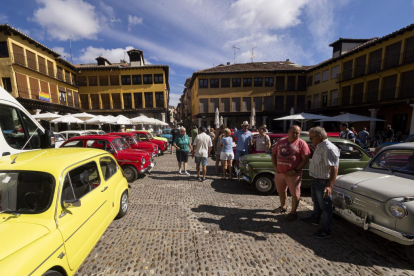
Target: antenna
70	48
253	53
235	52
28	140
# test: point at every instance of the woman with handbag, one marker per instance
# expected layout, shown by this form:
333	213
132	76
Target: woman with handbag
262	142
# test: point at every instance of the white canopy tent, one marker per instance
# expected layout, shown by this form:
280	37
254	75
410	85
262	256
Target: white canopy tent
302	117
84	117
47	117
120	120
141	120
350	118
68	119
97	120
217	118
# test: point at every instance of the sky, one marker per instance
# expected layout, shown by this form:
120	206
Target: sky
190	35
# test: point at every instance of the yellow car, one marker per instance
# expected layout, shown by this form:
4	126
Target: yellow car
156	137
55	204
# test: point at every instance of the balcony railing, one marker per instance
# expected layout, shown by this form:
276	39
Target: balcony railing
390	61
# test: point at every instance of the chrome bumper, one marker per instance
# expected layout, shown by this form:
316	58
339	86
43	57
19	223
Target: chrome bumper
150	167
364	223
144	170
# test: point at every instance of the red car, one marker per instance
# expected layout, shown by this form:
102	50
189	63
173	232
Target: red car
133	162
136	143
146	136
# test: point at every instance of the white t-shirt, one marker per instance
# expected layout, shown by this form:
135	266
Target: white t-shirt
202	143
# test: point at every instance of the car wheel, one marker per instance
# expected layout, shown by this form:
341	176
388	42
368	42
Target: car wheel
264	184
123	207
52	273
130	173
409	250
159	151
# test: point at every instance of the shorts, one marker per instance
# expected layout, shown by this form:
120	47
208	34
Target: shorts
182	156
240	153
284	181
226	156
202	160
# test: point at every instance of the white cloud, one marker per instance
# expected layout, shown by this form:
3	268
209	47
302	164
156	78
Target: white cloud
108	13
265	14
65	18
61	51
3	18
25	31
174	99
133	20
89	54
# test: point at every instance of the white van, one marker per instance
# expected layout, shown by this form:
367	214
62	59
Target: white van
17	125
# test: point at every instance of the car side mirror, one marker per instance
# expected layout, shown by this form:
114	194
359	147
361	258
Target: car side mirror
112	151
48	139
72	203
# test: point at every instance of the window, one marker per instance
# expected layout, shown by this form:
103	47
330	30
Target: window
103	81
31	129
34	87
291	83
7	84
325	99
280	83
81	81
59	73
51	70
214	103
67	77
392	55
236	82
127	100
334	98
126	80
301	83
347	72
257	101
360	66
12	127
268	103
18	54
225	105
247	82
76	99
375	61
334	72
258	82
203	105
158	78
346	95
214	83
93	80
136	80
147	79
203	83
317	78
138	100
309	82
4	51
73	79
108	167
325	75
95	101
68	93
225	82
106	102
114	79
31	60
269	82
235	105
247	104
62	95
347	151
42	64
84	98
280	103
116	101
290	102
80	181
149	101
159	99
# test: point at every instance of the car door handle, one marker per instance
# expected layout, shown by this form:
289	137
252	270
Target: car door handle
104	189
5	153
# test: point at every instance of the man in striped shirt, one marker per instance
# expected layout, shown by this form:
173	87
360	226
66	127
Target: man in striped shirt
323	171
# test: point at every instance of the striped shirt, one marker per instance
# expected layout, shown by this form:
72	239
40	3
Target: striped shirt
326	155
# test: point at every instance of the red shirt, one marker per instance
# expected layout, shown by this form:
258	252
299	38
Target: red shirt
289	155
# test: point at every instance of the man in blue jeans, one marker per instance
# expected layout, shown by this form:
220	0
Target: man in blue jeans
323	170
244	138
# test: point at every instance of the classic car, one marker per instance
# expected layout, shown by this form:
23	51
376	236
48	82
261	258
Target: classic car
166	133
136	143
381	197
151	134
59	139
257	169
96	131
55	205
410	138
74	133
147	137
134	163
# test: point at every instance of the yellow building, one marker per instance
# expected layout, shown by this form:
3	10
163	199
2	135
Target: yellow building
35	75
130	89
371	77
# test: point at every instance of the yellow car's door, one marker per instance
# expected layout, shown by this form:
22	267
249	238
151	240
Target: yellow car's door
83	213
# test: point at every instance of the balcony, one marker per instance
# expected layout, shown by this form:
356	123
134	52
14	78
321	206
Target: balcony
389	62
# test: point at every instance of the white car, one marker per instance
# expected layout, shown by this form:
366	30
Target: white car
59	139
73	133
96	131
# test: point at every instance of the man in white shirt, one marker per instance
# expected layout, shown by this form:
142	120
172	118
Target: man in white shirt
201	150
150	129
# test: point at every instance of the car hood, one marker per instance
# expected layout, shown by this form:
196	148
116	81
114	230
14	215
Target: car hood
378	186
15	235
259	157
133	154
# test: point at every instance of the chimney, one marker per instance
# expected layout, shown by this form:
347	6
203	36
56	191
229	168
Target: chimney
136	57
287	60
228	63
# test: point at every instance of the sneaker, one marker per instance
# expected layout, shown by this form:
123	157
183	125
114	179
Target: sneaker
179	172
291	217
321	234
310	220
187	173
279	210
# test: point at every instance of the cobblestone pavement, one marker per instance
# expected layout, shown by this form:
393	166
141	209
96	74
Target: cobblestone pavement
178	226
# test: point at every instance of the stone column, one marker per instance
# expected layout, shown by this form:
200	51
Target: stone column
372	123
225	121
412	120
163	117
199	122
264	120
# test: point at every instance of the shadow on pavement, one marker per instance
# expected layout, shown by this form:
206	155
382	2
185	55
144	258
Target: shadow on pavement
348	244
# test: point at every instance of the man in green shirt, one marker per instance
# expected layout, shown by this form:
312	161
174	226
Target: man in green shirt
194	133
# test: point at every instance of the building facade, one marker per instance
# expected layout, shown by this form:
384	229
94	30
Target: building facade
371	77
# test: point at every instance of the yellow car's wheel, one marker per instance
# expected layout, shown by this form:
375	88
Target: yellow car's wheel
52	273
124	204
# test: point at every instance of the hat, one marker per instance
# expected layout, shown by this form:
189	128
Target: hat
122	126
245	123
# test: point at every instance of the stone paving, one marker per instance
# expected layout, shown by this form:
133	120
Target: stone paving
178	226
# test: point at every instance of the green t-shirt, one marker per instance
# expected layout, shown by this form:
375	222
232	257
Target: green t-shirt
182	142
194	134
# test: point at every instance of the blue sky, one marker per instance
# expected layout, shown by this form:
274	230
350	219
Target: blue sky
190	35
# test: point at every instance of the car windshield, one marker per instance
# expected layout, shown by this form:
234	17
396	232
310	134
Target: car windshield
166	131
136	138
150	135
394	160
25	192
120	144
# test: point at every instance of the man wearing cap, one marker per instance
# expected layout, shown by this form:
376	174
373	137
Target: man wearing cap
244	138
122	128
